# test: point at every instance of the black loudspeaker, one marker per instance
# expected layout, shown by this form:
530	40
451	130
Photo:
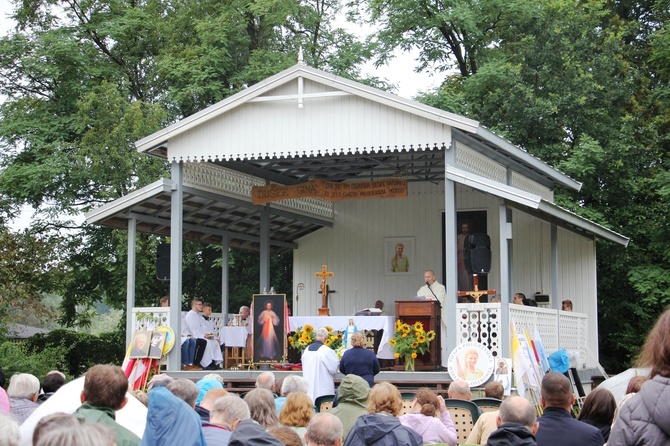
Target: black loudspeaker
163	262
477	254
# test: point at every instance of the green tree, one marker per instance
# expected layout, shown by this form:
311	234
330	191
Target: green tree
84	80
582	86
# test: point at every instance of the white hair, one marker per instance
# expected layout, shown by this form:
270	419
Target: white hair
294	383
321	334
265	380
9	431
230	408
23	385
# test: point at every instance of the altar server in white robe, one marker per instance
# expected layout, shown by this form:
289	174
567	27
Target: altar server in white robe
198	328
319	365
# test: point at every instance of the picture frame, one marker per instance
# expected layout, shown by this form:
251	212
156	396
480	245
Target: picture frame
156	344
399	255
139	344
269	328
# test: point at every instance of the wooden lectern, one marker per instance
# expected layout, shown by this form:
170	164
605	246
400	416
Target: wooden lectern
428	312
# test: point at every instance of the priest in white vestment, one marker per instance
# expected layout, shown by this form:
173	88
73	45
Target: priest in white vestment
319	365
434	290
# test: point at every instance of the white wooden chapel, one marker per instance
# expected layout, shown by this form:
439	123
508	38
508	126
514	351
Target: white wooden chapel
303	123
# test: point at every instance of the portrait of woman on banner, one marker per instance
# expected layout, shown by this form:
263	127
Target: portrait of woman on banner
267	344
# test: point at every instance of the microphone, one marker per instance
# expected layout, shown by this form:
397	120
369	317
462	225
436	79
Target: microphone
431	290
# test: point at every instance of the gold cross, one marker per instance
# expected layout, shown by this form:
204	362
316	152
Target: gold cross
324	274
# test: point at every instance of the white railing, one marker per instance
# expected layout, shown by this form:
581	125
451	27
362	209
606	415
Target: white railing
558	329
150	318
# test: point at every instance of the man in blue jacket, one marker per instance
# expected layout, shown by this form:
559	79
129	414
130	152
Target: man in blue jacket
557	425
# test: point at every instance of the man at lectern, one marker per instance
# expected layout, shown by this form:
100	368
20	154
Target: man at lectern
433	290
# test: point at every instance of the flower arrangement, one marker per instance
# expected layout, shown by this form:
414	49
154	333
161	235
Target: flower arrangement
410	341
304	336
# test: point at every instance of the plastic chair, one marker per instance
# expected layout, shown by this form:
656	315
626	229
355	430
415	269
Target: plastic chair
487	404
407	402
324	403
464	414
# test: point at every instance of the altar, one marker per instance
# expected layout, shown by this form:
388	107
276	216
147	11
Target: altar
340	323
234	336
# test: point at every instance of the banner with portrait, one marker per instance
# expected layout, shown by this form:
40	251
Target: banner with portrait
269	328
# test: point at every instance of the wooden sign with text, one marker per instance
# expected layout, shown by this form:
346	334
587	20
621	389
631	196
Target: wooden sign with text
332	191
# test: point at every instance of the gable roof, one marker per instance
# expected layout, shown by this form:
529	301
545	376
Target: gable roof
305	113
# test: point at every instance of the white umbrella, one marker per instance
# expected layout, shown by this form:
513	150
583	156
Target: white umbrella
617	384
67	399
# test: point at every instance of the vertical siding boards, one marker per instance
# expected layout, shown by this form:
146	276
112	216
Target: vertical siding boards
280	127
577	264
354	248
531	255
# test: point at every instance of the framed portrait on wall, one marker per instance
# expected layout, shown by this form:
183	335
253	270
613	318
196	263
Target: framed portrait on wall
399	255
269	328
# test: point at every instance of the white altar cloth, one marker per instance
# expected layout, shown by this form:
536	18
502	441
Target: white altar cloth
340	323
234	336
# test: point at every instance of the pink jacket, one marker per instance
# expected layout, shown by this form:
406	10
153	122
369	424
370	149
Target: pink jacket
431	429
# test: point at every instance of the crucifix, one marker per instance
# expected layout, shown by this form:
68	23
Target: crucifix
476	293
324	274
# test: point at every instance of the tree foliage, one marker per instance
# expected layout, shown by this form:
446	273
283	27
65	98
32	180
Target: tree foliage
84	80
583	85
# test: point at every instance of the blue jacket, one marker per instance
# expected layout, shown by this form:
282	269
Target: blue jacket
170	421
558	428
362	362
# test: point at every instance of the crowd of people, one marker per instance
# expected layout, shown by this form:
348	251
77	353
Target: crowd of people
184	412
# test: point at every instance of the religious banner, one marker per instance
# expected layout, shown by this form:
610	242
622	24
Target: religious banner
269	328
330	190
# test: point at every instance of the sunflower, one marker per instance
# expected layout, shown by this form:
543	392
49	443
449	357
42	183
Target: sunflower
406	328
421	339
291	341
430	335
404	335
392	342
396	355
330	329
339	336
418	326
413	355
417	334
308	328
415	344
398	325
327	343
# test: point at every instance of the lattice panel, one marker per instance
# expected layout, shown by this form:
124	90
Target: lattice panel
477	163
528	185
480	323
234	184
150	318
573	330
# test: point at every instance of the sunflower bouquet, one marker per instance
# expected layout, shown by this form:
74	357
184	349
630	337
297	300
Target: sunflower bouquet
304	336
410	341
